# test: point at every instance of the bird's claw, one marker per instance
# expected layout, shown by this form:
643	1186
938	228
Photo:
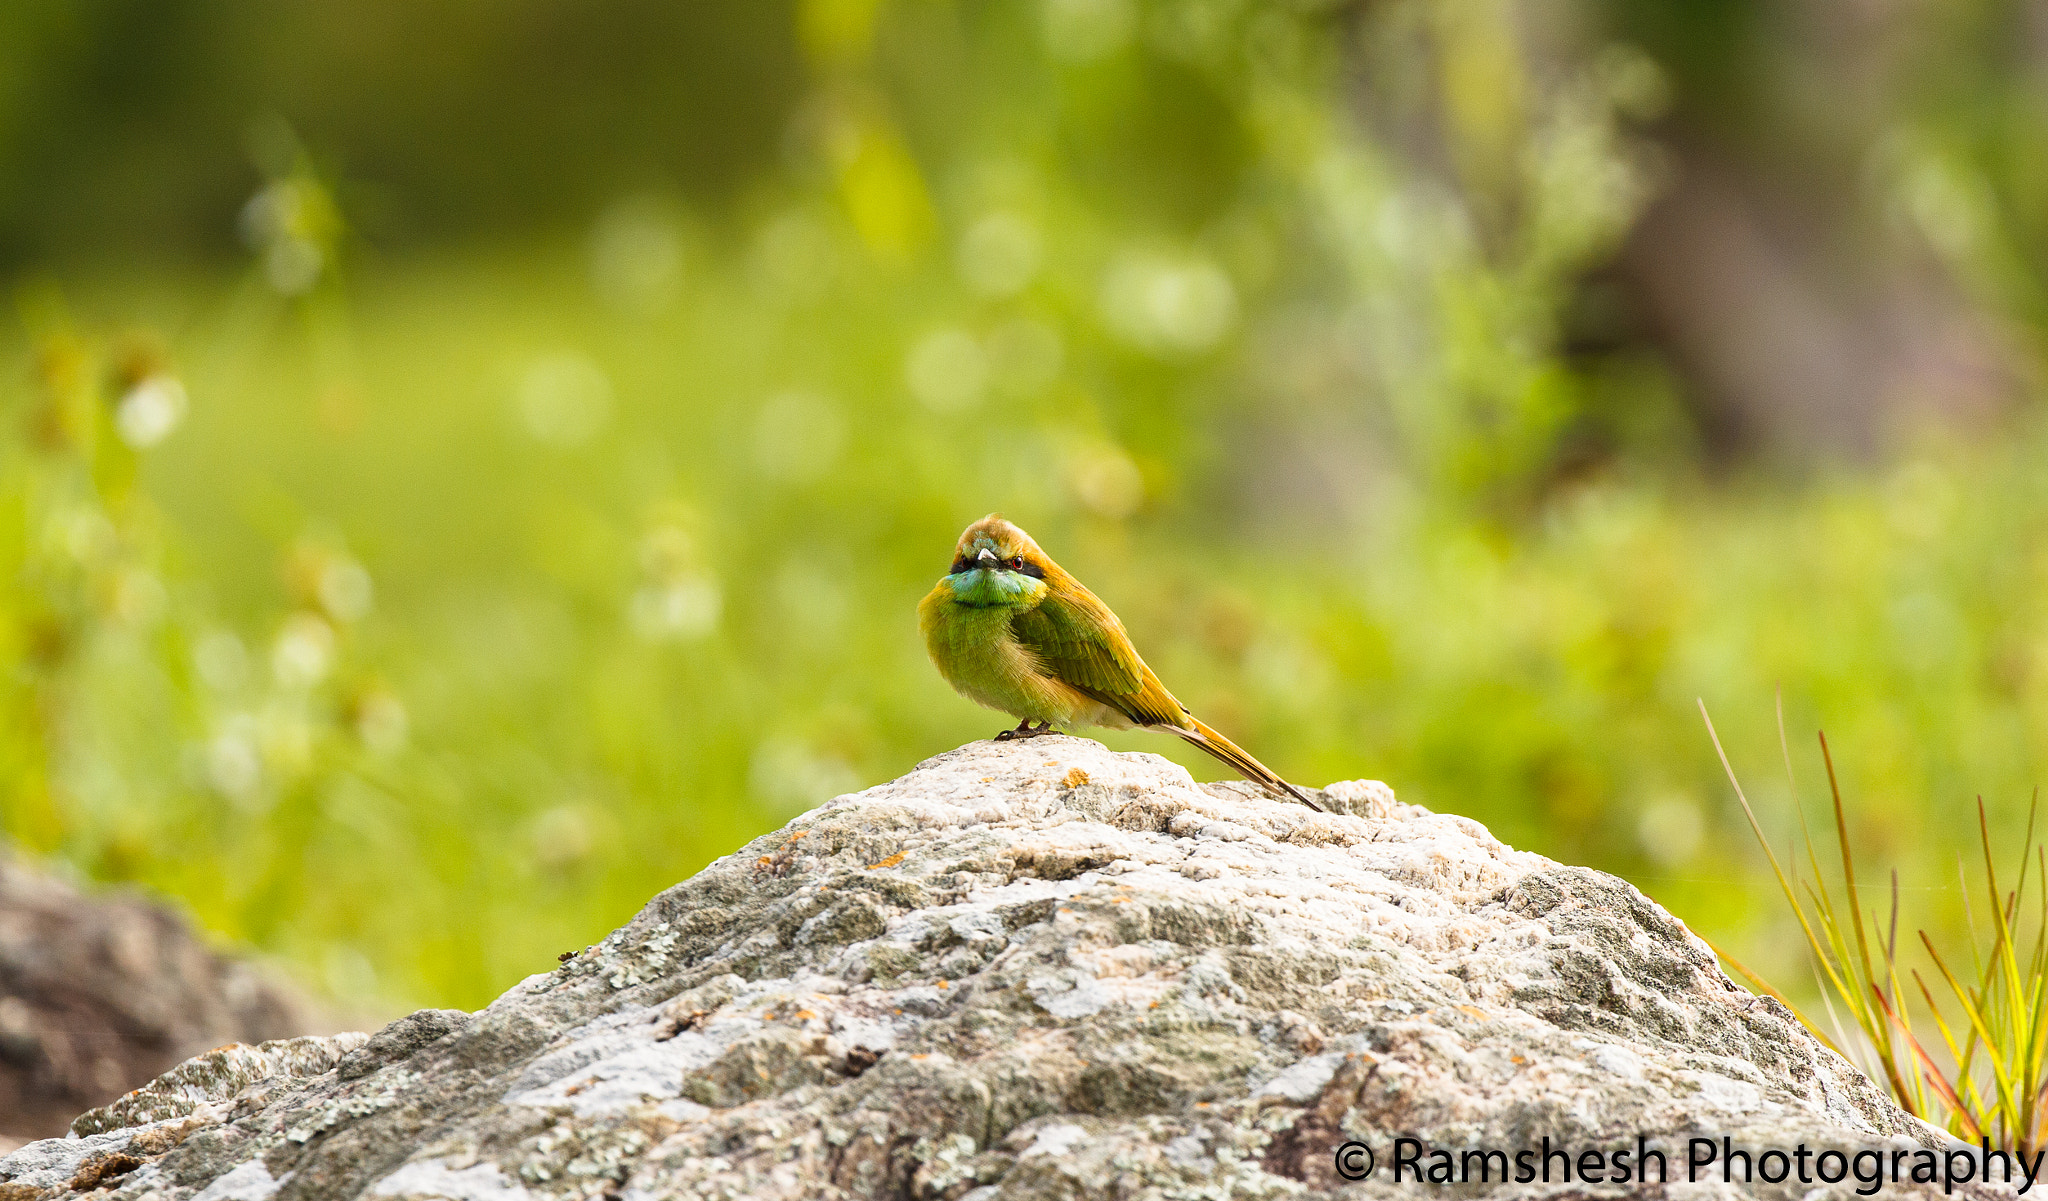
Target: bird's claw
1024	730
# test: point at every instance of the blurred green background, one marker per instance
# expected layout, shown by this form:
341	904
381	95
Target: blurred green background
466	466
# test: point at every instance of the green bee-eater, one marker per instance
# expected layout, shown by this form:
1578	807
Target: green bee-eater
1008	628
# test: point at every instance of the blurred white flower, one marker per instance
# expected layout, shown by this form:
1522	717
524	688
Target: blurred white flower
347	972
287	222
303	652
381	722
636	254
293	265
666	550
87	535
1107	481
999	254
1162	304
798	436
1633	82
233	765
564	399
947	370
150	410
679	600
345	588
1670	830
688	607
1081	30
788	773
221	660
562	836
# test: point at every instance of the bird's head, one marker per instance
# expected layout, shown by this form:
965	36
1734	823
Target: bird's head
996	563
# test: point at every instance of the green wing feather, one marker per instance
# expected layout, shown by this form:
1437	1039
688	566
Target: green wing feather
1080	642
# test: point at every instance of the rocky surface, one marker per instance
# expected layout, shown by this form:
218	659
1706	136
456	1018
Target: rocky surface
100	993
1030	970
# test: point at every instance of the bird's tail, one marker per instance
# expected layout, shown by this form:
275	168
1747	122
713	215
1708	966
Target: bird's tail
1246	766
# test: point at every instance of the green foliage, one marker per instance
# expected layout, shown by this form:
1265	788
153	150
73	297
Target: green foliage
623	645
1988	1076
417	614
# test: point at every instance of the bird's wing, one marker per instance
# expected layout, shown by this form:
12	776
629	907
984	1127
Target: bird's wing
1080	642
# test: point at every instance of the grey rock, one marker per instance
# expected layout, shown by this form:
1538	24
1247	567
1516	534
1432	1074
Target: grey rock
401	1040
1042	970
224	1073
101	992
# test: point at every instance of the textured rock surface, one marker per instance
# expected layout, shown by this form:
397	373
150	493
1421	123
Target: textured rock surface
99	994
1027	970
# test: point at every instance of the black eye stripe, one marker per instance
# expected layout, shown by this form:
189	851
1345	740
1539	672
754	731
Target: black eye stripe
1017	564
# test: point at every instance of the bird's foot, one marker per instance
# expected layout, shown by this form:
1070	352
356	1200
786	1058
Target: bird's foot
1024	730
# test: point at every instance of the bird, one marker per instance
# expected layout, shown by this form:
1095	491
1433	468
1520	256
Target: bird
1010	629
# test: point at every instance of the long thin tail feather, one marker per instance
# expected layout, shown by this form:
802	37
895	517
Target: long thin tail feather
1246	766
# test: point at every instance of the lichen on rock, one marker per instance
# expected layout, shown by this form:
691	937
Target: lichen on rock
1036	970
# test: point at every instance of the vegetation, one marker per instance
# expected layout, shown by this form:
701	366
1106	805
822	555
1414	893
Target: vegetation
428	539
1987	1075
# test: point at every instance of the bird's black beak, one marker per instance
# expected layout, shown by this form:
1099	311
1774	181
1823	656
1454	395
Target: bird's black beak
987	558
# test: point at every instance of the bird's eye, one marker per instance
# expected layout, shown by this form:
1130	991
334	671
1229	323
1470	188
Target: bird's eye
1015	564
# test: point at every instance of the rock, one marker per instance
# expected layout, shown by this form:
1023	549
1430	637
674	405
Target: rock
100	993
1032	970
226	1072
